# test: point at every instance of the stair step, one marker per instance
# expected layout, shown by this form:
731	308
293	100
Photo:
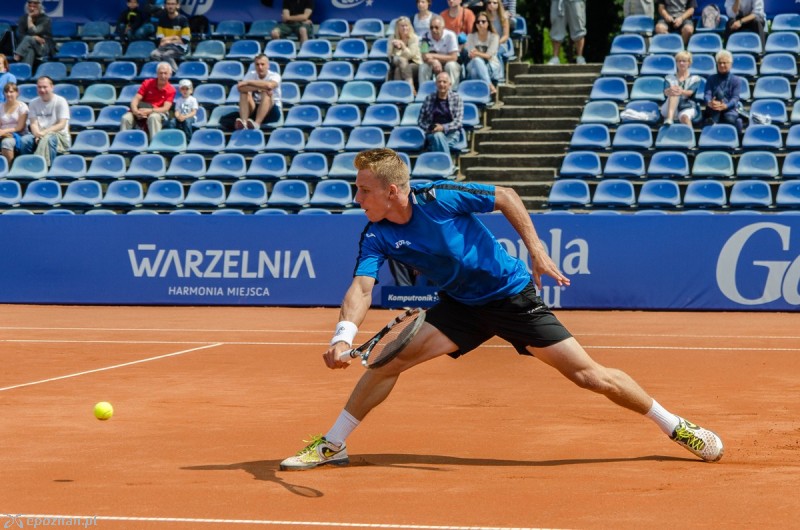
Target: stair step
554	90
522	148
509	161
517	175
535	111
539	136
537	122
550	100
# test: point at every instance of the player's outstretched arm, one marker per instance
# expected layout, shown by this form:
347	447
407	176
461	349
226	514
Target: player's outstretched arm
510	205
354	308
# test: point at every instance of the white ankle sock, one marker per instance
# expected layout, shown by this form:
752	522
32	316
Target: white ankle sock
345	424
665	420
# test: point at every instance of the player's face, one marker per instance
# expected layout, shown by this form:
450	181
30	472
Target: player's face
371	195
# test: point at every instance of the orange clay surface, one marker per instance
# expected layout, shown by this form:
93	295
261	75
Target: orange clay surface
209	400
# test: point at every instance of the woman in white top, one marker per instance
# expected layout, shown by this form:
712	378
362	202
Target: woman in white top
422	20
13	121
680	88
501	24
482	49
404	54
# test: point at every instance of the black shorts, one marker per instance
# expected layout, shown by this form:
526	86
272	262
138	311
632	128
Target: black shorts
523	320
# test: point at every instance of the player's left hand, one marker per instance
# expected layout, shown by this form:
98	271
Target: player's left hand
542	264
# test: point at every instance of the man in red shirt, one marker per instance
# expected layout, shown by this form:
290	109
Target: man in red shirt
150	106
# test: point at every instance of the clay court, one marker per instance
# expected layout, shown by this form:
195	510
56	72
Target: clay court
209	400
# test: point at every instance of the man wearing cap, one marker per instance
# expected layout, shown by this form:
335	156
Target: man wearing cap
259	94
150	106
34	34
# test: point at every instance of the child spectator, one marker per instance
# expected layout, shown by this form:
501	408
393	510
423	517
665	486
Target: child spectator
185	109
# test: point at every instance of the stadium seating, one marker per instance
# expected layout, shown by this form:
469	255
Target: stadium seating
641	24
332	193
319	50
290	194
228	30
788	195
286	140
168	141
774	108
124	193
280	50
783	64
744	65
80	117
610	88
772	86
762	136
147	166
620	65
351	49
713	164
630	44
358	93
365	137
624	164
248	193
782	42
186	166
718	136
383	115
120	72
107	166
267	167
205	193
709	43
590	136
90	142
657	64
614	193
10	192
226	72
323	93
750	194
206	141
82	194
791	165
633	136
342	166
71	51
67	167
400	93
705	194
372	70
333	29
308	166
433	165
580	164
300	72
668	164
368	28
246	141
744	42
303	117
41	193
757	165
666	43
27	167
408	139
569	192
164	194
345	116
326	140
659	194
675	136
209	50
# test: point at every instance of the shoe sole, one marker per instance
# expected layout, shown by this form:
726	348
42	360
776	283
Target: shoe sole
304	467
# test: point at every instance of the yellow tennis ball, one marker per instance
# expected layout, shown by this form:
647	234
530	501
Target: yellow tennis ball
103	410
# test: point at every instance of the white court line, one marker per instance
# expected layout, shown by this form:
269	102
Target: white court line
109	367
90	518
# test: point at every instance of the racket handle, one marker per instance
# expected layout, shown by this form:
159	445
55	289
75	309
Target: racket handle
347	355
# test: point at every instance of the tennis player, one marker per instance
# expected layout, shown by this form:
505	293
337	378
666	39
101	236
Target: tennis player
484	293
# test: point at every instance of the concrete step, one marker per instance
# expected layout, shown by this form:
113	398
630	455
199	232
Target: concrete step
534	112
538	122
523	189
551	100
564	69
511	162
522	148
541	136
558	90
517	175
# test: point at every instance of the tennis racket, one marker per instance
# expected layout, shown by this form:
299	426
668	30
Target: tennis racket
389	341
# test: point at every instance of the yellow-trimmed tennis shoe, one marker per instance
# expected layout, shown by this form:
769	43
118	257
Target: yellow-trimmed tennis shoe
700	441
318	452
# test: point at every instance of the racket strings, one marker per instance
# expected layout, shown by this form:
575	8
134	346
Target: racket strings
395	340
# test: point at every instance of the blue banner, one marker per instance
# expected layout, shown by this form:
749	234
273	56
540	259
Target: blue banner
721	262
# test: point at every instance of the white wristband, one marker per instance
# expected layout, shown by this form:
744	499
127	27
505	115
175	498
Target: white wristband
345	332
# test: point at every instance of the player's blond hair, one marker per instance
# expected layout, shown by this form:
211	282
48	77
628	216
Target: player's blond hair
387	166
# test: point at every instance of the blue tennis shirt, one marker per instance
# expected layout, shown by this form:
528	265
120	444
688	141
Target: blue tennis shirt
447	243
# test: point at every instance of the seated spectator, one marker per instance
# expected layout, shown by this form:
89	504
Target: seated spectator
563	14
637	7
458	19
133	23
745	15
173	35
404	55
439	50
679	89
675	16
5	76
259	95
722	93
295	20
185	109
441	116
422	18
482	50
48	115
13	122
34	34
150	106
501	23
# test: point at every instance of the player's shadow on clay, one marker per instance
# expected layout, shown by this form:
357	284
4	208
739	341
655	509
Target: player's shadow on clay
261	470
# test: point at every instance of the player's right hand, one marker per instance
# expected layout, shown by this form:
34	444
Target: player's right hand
331	357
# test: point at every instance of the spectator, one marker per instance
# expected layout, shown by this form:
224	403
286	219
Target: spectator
13	122
133	23
722	93
675	16
150	106
5	76
459	20
422	19
48	115
404	55
439	50
638	7
482	50
185	109
440	116
295	19
510	7
173	35
34	34
259	94
563	14
680	88
501	23
745	15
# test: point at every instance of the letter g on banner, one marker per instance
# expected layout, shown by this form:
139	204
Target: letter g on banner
783	277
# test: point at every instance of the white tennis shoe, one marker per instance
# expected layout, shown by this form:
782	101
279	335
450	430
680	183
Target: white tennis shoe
318	452
700	441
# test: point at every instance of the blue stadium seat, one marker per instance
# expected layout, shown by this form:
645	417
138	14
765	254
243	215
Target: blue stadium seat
786	22
319	50
41	193
147	166
308	166
56	71
783	64
408	139
22	71
67	167
148	71
757	165
472	118
227	166
168	141
267	166
633	136
475	91
774	108
303	116
773	87
187	211
68	91
669	164
109	166
300	72
368	28
675	136
647	111
705	194
624	164
248	193
620	65
210	94
209	141
110	117
228	30
358	93
3	167
641	24
580	164
703	64
10	192
100	95
219	112
425	89
83	73
411	114
120	72
659	194
364	137
290	93
345	116
333	29
71	51
630	44
434	166
383	115
744	65
139	50
125	193
326	140
243	50
590	136
286	140
379	49
657	64
709	43
666	43
246	141
18	211
205	193
569	192
788	195
289	193
195	71
648	88
342	166
81	194
187	166
374	70
211	50
332	193
80	117
125	96
226	72
782	42
713	164
762	136
280	50
718	136
142	212
610	88
100	211
95	30
744	42
90	142
27	167
351	49
791	165
324	93
164	193
106	51
750	194
793	138
271	211
614	193
314	211
400	93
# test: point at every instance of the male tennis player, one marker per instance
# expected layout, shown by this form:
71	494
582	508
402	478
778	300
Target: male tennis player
484	293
